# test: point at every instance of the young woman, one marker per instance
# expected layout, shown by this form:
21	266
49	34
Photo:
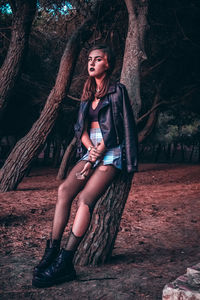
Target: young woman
106	144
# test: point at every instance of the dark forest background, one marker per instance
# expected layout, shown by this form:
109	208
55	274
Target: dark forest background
172	67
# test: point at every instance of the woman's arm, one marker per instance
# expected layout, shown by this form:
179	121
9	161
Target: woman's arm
85	139
101	147
95	152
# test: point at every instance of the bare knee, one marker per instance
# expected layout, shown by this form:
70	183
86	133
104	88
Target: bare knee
103	168
84	206
83	203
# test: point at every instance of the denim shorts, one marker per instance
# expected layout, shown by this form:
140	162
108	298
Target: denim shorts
112	156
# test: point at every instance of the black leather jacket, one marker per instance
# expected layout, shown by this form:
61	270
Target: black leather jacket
117	125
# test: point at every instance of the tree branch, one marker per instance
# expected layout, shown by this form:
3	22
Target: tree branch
152	68
150	111
152	118
73	98
12	65
146	131
183	32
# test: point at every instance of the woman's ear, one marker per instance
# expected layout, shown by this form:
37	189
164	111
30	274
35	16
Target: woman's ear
106	66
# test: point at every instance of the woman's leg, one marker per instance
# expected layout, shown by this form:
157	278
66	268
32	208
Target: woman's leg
94	188
62	268
66	193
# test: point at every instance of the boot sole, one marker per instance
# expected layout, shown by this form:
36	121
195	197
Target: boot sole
36	282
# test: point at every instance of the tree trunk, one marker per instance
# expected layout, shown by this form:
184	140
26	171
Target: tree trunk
182	152
67	159
30	146
168	153
57	150
134	50
47	152
192	151
174	150
23	14
98	243
158	151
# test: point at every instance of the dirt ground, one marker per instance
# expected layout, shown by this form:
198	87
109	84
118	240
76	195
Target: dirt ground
159	236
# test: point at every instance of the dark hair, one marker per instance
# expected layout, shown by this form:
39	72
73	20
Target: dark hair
89	90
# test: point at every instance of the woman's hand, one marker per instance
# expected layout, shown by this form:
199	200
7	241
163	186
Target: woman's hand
95	154
85	171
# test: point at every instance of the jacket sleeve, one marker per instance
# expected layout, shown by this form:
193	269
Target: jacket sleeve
130	132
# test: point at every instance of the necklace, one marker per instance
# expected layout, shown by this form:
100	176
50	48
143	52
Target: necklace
97	99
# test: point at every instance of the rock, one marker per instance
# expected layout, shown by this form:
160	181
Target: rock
185	287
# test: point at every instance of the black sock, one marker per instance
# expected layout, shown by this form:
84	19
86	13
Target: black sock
73	242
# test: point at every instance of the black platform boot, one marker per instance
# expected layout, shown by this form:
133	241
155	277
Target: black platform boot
50	254
61	270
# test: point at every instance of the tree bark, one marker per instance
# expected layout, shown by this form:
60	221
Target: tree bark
98	243
134	52
67	159
30	146
23	14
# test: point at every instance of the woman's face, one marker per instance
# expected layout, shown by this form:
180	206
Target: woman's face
97	63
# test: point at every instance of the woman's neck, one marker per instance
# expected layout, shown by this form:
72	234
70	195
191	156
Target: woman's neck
99	81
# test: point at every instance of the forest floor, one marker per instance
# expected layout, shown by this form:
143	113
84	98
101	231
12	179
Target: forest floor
159	236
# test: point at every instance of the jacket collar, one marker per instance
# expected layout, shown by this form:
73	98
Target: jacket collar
112	88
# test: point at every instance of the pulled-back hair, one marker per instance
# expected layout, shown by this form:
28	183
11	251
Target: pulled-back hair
89	90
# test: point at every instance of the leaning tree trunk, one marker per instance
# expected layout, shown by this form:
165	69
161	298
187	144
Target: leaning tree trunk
134	50
23	14
30	146
98	243
67	159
